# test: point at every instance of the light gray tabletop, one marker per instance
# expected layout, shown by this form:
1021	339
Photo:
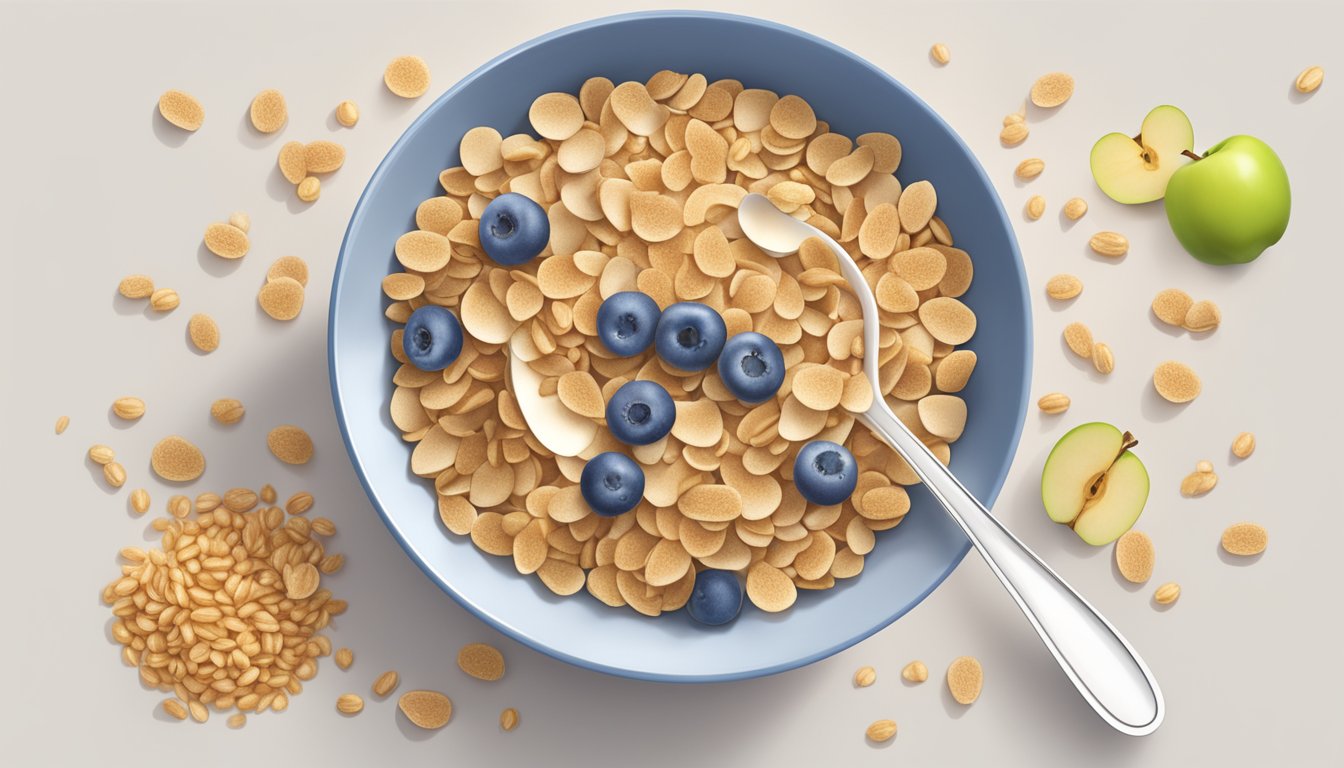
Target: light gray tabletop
97	187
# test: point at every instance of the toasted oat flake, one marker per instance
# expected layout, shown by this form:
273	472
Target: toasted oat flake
508	719
115	474
349	703
309	189
915	672
1109	244
281	298
101	454
292	162
1029	168
864	677
227	411
174	709
323	156
182	110
1167	593
1052	90
226	241
1134	556
292	267
1075	208
1176	382
237	720
1063	287
1309	80
290	444
61	423
1035	208
1078	337
1244	445
347	113
386	683
1103	359
344	658
140	501
164	300
176	460
268	111
203	331
1245	539
481	661
430	710
940	53
407	76
1054	403
965	677
881	730
1203	316
1013	134
1172	305
136	287
128	408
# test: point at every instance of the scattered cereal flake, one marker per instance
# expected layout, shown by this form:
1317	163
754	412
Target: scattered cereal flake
136	287
61	423
268	111
1103	359
1079	339
508	719
1242	447
430	710
1245	539
1134	556
204	332
226	241
915	672
128	408
864	677
1172	305
1075	208
227	410
281	298
881	731
292	162
1203	316
1167	593
965	678
481	661
181	109
349	703
290	444
1029	169
1063	287
344	658
1054	403
386	683
407	76
940	53
323	156
309	189
164	300
1176	382
176	460
1013	134
289	266
347	113
1110	244
1309	80
1052	89
1035	207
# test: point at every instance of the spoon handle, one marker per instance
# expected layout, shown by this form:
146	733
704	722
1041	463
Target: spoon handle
1100	662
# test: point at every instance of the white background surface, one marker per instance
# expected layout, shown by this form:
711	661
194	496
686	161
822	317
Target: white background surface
96	187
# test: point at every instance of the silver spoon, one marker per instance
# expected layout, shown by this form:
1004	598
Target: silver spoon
1102	664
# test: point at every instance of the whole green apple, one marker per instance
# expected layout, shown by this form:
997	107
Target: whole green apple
1228	206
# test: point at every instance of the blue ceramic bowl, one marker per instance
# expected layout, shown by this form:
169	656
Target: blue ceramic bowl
854	97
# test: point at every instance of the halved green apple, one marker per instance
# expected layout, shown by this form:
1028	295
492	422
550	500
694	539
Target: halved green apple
1093	484
1135	169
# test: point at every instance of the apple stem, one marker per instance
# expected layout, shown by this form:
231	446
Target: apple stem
1191	155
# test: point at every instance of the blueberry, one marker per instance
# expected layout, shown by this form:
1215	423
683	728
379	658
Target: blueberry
825	473
716	598
690	336
612	483
432	339
641	412
626	322
752	367
514	229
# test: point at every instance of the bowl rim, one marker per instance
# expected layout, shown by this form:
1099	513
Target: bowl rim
996	482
